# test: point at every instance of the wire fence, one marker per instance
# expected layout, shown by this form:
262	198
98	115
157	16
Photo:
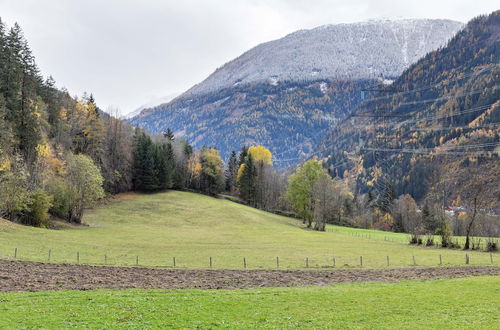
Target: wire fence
438	257
478	243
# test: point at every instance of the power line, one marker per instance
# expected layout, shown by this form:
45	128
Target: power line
352	114
433	152
422	88
454	127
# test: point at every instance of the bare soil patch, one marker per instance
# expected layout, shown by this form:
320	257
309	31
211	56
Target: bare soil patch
123	196
34	276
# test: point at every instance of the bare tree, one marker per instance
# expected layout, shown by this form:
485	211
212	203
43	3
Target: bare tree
479	197
329	197
405	213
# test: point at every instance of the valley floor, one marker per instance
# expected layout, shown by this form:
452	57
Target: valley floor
465	303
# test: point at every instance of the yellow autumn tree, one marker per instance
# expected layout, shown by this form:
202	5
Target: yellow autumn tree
90	129
261	154
241	169
193	168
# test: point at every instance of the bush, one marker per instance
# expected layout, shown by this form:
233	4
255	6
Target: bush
430	240
444	231
62	199
491	246
415	239
14	196
38	212
453	245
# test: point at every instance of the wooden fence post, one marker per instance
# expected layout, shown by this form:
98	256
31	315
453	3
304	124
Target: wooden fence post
174	262
105	259
15	253
361	261
277	262
414	261
78	257
50	252
210	262
334	262
388	262
491	258
137	260
466	259
245	263
440	260
307	262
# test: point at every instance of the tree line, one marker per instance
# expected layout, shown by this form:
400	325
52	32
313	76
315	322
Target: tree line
61	154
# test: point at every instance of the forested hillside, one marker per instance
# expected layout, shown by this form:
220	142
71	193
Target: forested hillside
286	93
57	152
61	154
290	118
434	133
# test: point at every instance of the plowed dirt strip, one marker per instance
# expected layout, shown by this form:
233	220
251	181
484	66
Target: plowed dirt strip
33	276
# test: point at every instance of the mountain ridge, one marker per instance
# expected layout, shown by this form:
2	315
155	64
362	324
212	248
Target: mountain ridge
285	93
334	33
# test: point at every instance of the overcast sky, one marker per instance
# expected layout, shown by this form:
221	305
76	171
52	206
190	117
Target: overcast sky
129	53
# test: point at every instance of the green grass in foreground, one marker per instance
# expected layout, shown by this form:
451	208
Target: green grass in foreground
193	227
470	303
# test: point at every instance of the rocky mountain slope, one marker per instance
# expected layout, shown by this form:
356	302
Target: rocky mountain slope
286	93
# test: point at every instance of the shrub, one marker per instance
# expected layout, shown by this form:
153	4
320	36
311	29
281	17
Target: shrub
444	231
14	196
62	199
491	246
38	212
430	240
415	239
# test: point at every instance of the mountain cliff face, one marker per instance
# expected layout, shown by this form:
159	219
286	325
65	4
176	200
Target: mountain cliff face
286	93
441	116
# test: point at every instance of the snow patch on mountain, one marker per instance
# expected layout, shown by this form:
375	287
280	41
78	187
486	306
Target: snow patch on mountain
365	50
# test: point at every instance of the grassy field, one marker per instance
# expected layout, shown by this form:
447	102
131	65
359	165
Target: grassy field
403	237
470	303
153	229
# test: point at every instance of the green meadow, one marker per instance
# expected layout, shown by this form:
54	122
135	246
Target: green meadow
153	229
470	303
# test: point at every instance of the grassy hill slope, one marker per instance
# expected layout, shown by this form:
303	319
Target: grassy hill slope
192	228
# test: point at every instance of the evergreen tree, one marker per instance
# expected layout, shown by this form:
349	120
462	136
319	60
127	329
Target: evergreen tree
247	180
387	197
20	83
232	172
165	165
243	155
145	176
169	135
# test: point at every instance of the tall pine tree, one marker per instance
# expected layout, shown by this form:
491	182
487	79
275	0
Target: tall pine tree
232	172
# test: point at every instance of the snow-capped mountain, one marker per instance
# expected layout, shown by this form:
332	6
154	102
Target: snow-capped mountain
286	93
363	50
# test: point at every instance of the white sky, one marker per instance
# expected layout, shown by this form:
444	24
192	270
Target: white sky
128	53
